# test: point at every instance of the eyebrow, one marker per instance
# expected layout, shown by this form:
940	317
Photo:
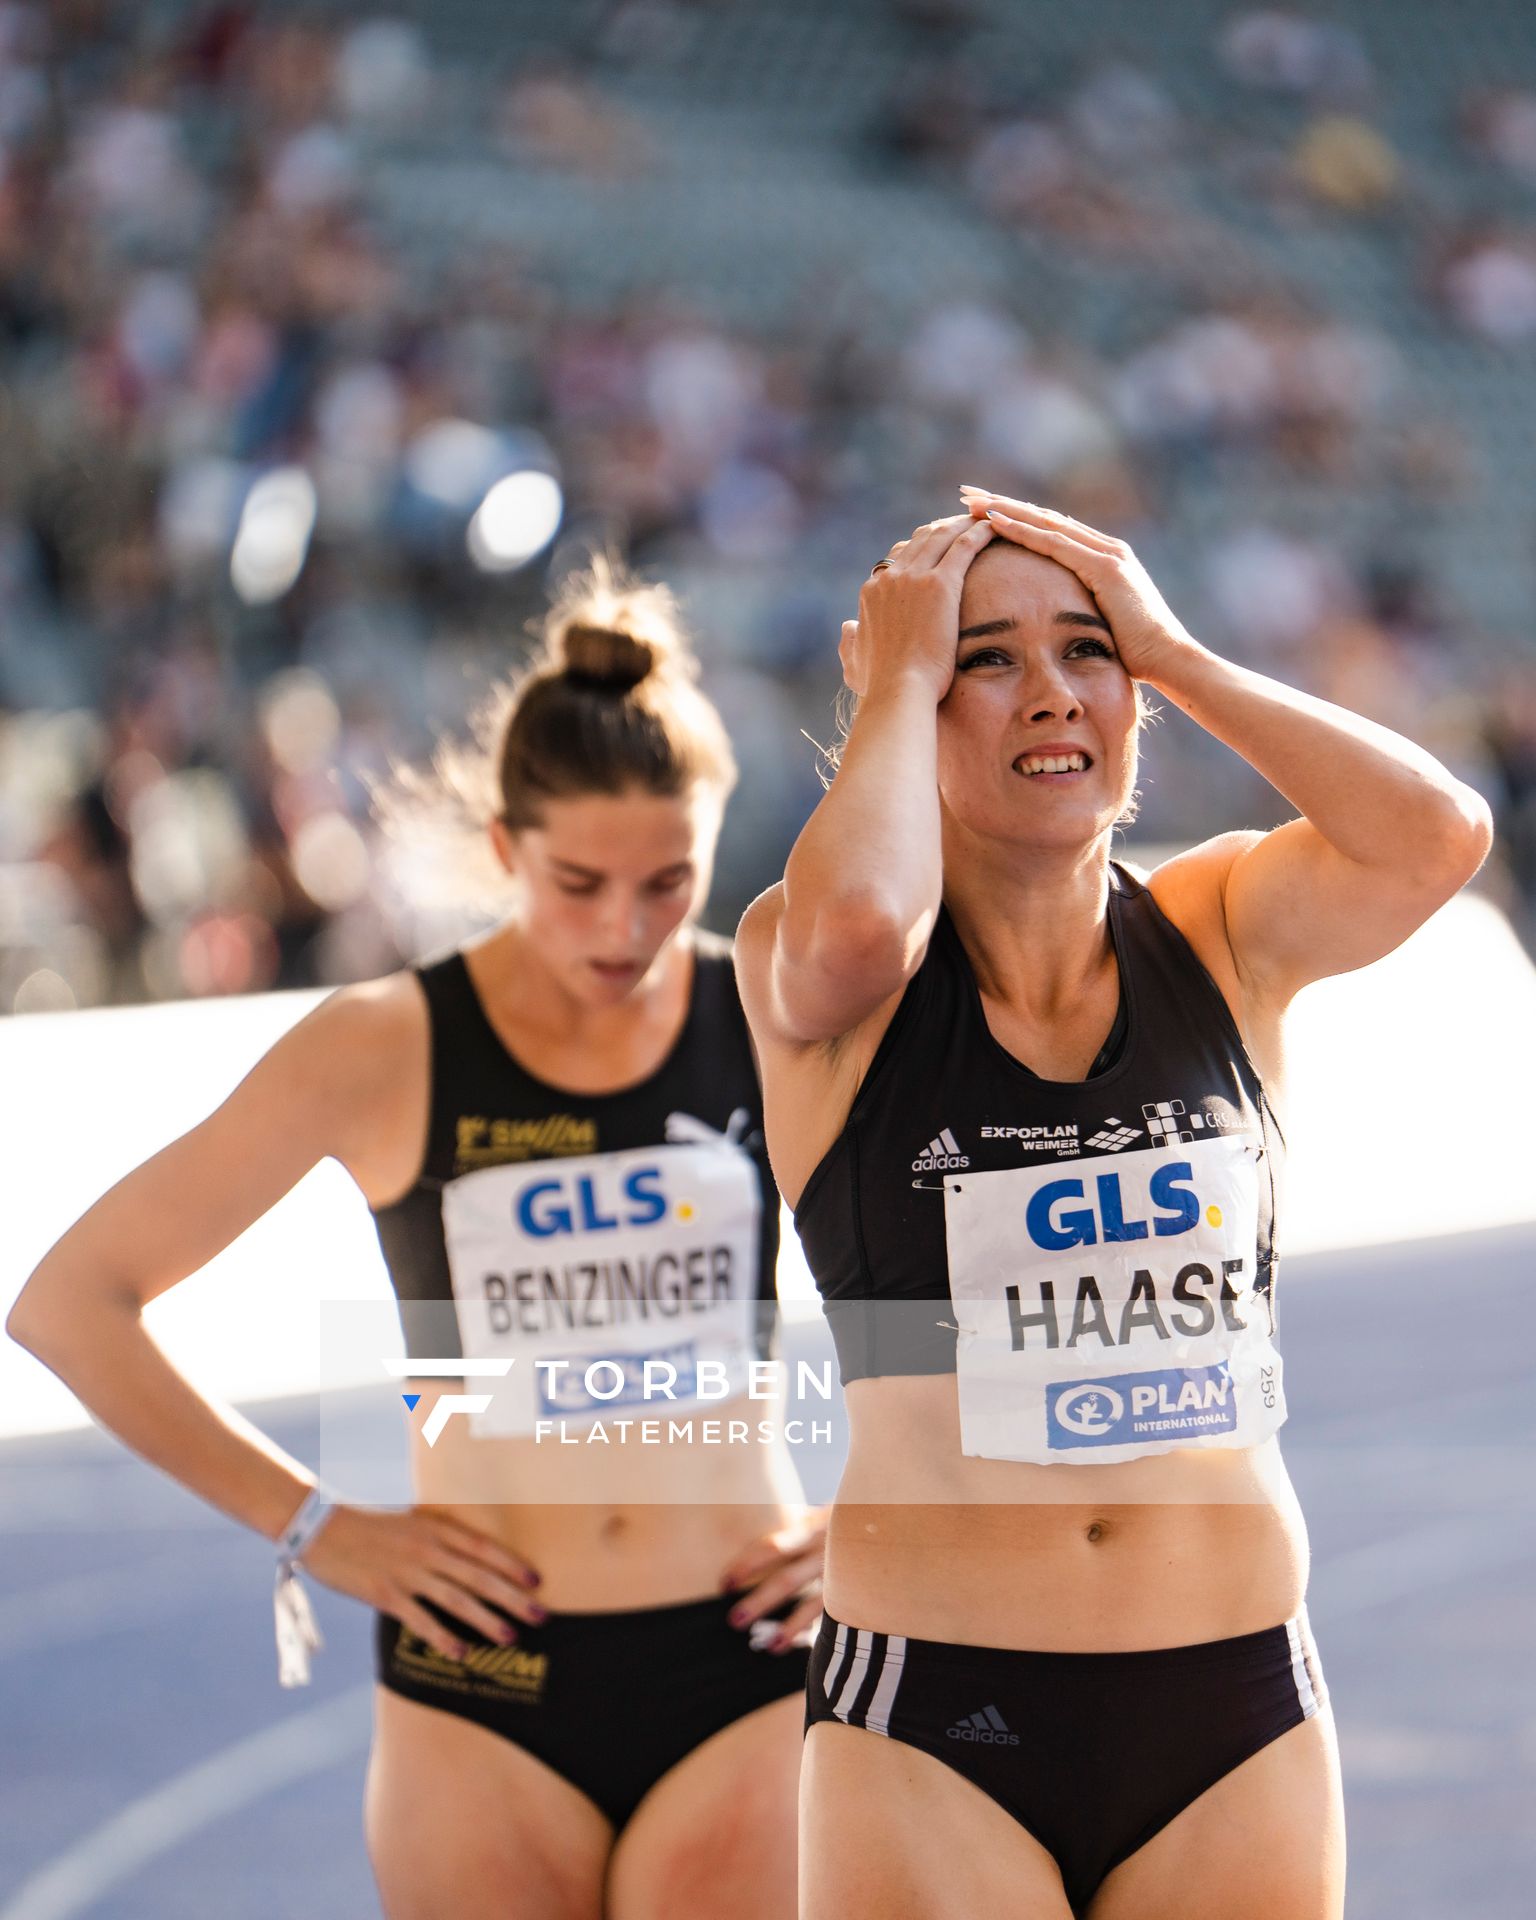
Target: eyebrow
1063	619
595	873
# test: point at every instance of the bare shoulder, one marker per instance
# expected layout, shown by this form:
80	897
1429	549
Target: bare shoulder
1191	887
350	1079
363	1032
392	1008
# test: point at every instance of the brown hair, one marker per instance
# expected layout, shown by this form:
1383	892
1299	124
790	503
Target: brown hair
613	702
610	700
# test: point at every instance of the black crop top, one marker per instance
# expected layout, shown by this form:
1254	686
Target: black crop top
943	1099
582	1224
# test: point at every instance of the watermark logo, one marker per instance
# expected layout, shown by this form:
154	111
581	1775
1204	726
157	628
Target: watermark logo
584	1383
588	1385
446	1405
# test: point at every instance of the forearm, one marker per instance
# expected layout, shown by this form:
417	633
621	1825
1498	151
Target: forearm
129	1387
872	847
1375	797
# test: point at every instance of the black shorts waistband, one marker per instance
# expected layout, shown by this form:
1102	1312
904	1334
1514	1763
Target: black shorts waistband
641	1632
1237	1648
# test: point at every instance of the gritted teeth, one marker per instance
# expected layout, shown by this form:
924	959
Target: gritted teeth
1031	763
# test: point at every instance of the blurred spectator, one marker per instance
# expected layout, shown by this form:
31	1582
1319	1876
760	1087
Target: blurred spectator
1273	592
931	117
1346	164
1488	283
383	77
1500	125
1122	114
1281	51
552	116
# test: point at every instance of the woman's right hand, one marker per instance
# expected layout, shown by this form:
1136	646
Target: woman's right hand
394	1560
909	609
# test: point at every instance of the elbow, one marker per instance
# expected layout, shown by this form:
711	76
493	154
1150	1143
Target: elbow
1461	839
22	1323
1480	827
39	1318
860	941
833	969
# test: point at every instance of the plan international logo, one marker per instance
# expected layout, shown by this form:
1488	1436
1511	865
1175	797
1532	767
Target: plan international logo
1170	1403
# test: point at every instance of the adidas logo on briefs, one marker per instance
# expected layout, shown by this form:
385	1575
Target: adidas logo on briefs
988	1726
940	1155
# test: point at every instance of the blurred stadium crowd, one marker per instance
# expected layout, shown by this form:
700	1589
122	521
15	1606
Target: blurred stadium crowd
315	325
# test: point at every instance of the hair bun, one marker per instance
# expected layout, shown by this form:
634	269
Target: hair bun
604	656
609	630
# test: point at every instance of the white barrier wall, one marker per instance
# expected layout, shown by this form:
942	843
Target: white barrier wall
1411	1112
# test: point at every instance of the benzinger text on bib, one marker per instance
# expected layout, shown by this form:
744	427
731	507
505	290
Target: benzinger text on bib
607	1280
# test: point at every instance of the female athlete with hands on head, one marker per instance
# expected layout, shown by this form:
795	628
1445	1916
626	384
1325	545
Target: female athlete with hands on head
587	1709
1023	1102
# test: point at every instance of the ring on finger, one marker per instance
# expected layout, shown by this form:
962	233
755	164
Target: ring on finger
878	565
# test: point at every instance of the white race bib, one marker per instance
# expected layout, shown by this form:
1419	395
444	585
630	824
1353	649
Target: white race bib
1106	1305
607	1280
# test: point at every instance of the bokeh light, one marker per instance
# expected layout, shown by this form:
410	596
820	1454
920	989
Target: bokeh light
272	539
517	519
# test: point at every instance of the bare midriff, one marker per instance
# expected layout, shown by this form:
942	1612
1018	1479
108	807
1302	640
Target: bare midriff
1194	1545
617	1526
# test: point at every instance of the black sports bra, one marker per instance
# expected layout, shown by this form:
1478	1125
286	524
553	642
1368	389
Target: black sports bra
563	1224
942	1096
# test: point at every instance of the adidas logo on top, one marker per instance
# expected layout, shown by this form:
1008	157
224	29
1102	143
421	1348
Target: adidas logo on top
940	1155
988	1726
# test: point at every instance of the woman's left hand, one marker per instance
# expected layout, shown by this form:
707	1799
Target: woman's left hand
1148	637
784	1565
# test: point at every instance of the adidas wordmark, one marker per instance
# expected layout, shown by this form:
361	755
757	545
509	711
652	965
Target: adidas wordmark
941	1154
988	1726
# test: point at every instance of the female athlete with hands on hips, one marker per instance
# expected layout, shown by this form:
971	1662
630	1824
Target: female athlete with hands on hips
1024	1104
590	1672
